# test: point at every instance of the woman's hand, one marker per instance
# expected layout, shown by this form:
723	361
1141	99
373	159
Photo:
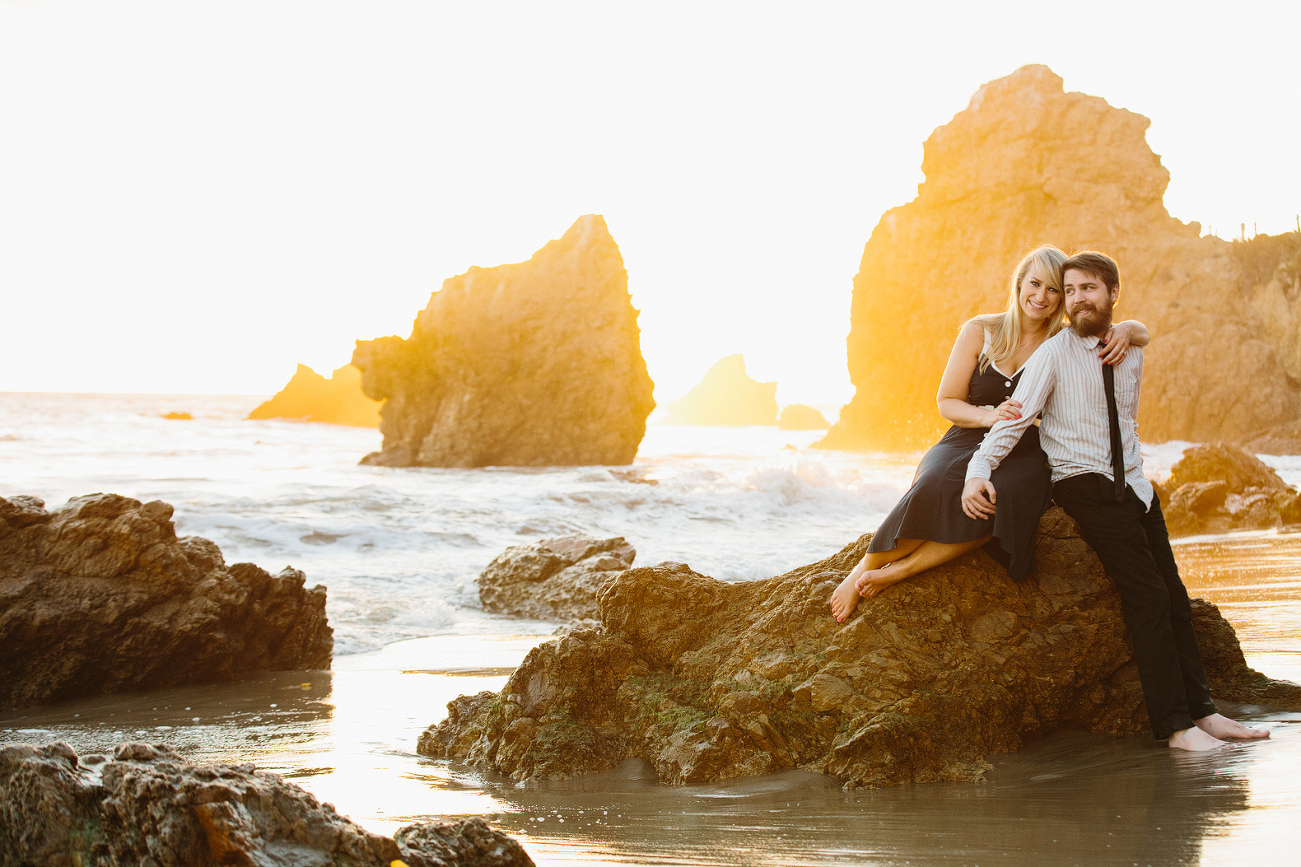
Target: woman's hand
1119	338
1005	410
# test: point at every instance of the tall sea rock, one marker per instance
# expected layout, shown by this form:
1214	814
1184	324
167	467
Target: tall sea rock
531	364
1026	164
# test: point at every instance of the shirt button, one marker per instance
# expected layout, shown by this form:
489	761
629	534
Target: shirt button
1008	383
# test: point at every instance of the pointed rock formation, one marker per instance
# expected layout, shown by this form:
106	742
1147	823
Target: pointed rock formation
1027	164
308	396
533	364
726	396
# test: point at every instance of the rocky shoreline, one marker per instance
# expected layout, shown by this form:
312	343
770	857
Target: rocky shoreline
707	680
145	805
100	596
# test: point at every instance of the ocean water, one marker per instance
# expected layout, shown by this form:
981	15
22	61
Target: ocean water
399	549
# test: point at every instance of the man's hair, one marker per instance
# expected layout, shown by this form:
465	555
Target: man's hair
1099	265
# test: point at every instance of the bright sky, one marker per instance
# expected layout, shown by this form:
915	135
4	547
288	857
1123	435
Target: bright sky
195	196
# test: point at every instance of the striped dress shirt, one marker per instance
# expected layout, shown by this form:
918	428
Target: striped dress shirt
1063	379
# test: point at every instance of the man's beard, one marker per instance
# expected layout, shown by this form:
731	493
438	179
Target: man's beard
1097	323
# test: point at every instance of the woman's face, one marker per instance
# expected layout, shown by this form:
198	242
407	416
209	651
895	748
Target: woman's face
1038	300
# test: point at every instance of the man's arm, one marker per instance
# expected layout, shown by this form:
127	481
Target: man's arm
1037	382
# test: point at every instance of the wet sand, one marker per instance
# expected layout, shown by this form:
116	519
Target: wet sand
1072	798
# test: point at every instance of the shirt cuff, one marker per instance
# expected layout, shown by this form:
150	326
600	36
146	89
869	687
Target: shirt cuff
977	468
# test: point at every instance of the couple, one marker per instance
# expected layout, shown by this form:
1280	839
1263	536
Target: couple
989	487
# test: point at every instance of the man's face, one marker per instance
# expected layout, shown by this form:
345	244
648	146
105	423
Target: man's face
1088	302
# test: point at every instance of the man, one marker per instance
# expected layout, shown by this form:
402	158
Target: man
1104	490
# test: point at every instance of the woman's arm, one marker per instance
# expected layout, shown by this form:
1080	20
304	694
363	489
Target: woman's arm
954	385
1120	338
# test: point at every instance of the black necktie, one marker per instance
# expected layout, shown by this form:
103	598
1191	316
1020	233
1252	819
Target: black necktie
1113	419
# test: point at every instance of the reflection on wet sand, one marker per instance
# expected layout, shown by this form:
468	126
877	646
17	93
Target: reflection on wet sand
1072	798
263	719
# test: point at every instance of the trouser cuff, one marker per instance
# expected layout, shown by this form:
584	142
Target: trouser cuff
1175	723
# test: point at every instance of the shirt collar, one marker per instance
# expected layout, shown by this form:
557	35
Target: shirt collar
1083	342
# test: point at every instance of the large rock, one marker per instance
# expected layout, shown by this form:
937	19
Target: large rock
147	807
1218	488
553	579
308	396
100	596
1026	164
726	396
533	364
708	680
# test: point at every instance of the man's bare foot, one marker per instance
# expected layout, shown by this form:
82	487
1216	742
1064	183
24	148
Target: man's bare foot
1197	741
1220	726
873	581
844	599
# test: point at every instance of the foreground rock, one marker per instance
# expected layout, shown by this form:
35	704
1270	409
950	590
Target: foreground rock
101	596
1218	488
147	806
554	579
708	680
726	396
308	396
1025	164
533	364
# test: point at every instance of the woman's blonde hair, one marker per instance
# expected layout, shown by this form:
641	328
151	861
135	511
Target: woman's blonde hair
1005	328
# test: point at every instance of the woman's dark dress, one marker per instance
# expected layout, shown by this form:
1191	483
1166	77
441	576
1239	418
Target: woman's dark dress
932	508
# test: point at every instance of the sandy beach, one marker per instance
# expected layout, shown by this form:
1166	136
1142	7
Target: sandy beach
348	736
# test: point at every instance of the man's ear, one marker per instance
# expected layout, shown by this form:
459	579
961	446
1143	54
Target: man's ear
1115	294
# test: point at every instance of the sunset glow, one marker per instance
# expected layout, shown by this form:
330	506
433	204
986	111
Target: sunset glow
198	198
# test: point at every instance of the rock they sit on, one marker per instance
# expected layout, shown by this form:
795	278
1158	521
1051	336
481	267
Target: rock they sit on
708	680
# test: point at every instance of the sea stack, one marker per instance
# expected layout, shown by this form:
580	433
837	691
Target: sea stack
1027	164
308	396
726	396
531	364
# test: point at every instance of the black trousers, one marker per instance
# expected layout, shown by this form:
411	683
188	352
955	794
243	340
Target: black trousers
1134	547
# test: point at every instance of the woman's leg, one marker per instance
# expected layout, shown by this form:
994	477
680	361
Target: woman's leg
925	556
844	599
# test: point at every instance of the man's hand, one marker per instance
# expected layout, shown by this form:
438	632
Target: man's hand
978	498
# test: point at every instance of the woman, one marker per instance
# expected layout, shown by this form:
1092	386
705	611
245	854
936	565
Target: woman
928	527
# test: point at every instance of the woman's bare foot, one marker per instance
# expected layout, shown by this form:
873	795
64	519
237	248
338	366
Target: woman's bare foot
1220	726
844	599
873	581
1197	741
